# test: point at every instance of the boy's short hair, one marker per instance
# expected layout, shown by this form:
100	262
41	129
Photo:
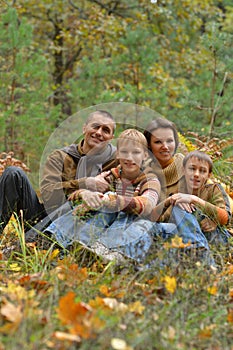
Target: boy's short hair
132	135
200	156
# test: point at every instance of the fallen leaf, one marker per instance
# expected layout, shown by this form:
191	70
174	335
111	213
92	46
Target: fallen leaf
212	290
230	315
112	303
205	333
170	284
80	317
67	336
176	242
136	308
120	344
13	314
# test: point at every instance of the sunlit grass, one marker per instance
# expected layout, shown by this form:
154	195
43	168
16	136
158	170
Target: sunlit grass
54	299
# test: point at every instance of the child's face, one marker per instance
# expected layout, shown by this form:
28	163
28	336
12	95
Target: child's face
131	155
196	174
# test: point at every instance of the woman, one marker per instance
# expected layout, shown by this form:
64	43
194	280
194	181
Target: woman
163	141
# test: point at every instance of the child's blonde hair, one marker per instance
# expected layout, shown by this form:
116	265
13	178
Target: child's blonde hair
132	135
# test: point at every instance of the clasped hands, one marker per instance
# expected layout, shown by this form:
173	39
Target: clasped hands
185	202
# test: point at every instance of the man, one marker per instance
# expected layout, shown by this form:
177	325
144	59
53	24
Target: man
67	169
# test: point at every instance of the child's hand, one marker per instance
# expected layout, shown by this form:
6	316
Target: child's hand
92	199
208	225
183	200
73	196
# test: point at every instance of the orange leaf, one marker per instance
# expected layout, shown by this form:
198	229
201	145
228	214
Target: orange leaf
205	333
104	290
80	317
231	293
230	315
69	311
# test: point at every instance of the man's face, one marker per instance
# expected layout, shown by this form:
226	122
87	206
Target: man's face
97	132
196	174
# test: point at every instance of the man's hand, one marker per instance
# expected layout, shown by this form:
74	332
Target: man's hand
98	183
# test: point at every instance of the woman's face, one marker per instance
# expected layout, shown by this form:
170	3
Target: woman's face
163	145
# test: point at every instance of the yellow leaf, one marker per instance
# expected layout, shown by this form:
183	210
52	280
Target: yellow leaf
176	242
13	314
137	308
15	267
54	254
212	290
170	284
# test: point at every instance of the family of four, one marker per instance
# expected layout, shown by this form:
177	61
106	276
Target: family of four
121	199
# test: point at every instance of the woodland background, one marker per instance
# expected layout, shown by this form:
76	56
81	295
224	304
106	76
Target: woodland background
59	57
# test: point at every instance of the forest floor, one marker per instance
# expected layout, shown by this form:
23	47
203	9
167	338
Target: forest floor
51	299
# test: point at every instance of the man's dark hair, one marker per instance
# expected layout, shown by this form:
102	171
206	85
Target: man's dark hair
103	113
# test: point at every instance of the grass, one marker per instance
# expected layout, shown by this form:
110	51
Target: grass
77	301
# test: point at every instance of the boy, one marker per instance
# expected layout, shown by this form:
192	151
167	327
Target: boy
205	198
133	194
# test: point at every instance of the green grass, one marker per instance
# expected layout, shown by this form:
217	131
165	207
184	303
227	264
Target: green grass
45	300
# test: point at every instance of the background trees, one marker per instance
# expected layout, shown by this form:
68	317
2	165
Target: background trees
57	58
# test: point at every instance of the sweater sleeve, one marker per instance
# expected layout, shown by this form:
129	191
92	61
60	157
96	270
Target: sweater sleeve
218	207
54	183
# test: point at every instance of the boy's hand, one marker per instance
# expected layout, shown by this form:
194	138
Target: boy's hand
92	199
183	200
208	225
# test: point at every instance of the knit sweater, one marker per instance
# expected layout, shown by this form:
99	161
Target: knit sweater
169	179
137	196
59	176
217	206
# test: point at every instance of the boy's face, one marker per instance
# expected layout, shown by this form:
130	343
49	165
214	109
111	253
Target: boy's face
131	155
196	173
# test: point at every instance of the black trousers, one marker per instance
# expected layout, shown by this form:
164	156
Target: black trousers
18	196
